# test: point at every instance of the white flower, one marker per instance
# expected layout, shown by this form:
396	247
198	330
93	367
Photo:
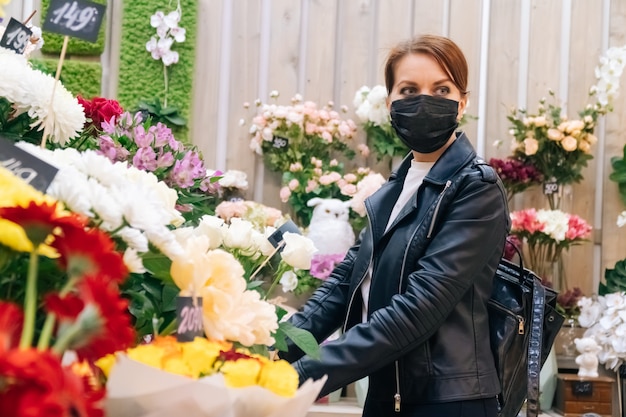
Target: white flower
238	234
621	219
234	179
289	281
133	262
211	226
298	250
30	91
556	223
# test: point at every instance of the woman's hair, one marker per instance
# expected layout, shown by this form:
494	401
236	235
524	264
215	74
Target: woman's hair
447	54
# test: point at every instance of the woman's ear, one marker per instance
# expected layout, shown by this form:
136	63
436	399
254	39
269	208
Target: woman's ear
462	107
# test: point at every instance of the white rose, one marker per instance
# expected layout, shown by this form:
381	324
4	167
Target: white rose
238	234
211	226
289	281
298	250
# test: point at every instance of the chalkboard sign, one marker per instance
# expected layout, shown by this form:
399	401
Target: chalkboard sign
280	142
34	171
75	18
16	36
188	318
277	237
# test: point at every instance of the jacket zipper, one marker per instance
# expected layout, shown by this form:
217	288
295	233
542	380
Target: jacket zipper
397	398
432	222
345	322
520	320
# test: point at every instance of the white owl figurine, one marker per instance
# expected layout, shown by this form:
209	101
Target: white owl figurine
330	229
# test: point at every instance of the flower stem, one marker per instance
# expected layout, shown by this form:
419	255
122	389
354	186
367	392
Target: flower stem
166	83
63	342
30	301
48	326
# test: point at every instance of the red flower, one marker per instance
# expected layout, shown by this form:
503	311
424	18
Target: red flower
40	219
34	384
100	109
90	252
11	320
67	307
115	331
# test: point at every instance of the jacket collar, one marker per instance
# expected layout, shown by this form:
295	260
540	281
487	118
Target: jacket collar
458	154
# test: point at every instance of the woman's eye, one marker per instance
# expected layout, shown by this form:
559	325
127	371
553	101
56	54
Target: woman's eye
408	91
442	91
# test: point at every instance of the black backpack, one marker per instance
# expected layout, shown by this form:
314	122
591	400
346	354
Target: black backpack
523	325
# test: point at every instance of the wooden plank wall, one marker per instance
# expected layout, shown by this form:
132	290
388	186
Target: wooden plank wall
327	49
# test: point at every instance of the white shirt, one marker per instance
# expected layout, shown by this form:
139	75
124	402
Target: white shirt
414	178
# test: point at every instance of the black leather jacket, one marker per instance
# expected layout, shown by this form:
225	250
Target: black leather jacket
427	336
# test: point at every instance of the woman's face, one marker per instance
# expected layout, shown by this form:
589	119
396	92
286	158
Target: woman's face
419	73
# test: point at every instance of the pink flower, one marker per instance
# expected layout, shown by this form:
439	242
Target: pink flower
323	264
293	184
285	193
310	186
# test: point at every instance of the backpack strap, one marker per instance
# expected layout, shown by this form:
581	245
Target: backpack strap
534	348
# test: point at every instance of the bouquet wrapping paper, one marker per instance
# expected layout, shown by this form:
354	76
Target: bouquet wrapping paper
138	390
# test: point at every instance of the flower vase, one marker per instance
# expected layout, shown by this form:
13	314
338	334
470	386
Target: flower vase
552	271
567	334
559	195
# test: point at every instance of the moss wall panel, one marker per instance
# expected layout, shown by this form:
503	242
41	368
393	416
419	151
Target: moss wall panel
79	77
141	77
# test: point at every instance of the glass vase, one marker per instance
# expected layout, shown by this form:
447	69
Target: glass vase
568	334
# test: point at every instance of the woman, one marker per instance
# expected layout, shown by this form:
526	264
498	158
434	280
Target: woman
411	295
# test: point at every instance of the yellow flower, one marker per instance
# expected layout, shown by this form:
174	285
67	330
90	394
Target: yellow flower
16	192
200	355
150	354
241	373
569	143
530	146
106	363
3	3
279	377
175	364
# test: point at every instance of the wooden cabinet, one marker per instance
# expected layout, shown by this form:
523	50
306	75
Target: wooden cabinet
576	395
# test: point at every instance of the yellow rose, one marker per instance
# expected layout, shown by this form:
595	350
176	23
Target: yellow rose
591	139
584	146
569	143
200	355
279	377
241	373
530	146
555	134
151	355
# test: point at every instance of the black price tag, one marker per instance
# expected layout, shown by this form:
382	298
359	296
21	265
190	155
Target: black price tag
277	237
550	188
76	18
280	142
188	318
582	388
16	36
34	171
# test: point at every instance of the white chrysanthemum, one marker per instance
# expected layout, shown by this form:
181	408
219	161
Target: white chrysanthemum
234	179
133	261
30	91
114	195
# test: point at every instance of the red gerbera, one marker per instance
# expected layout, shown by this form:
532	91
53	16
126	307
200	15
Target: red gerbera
34	384
40	219
114	331
66	307
90	252
11	321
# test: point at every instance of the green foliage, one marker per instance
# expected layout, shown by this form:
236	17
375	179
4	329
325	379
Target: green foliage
170	115
54	42
615	279
619	174
301	338
140	76
384	141
150	299
79	77
17	128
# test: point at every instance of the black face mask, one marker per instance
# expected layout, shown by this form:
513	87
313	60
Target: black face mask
424	123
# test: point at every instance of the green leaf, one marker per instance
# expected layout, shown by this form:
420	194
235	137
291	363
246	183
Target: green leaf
170	292
303	339
158	265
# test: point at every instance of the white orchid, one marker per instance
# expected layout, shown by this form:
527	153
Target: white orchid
168	31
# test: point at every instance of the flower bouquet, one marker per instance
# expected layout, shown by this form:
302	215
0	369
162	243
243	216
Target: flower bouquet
560	147
516	175
546	235
285	135
203	378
